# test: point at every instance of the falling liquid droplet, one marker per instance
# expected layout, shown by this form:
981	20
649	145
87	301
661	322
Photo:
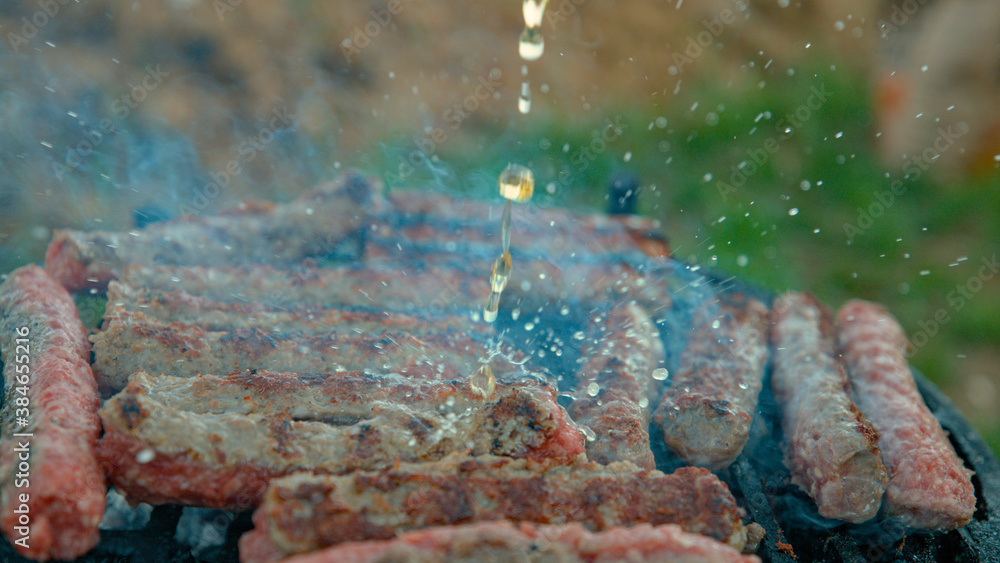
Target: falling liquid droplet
492	307
531	45
517	183
524	100
501	273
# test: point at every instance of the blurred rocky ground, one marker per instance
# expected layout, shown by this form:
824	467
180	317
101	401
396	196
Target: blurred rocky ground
118	112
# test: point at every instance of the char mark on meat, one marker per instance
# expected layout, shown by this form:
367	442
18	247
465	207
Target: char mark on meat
419	220
387	284
132	341
830	448
304	512
310	319
252	233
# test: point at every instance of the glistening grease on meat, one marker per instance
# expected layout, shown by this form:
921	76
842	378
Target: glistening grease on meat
216	440
132	341
830	448
705	414
615	385
929	487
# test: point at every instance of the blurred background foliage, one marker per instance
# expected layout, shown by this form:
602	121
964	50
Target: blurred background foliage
624	90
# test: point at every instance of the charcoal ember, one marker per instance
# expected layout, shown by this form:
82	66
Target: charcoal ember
120	515
202	529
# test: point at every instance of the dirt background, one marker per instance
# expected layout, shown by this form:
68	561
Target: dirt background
112	107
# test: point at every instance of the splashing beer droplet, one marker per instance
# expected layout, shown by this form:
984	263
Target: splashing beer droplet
483	383
501	273
492	307
524	100
517	183
531	45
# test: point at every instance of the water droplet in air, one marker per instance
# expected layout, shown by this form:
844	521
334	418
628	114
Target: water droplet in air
531	44
524	100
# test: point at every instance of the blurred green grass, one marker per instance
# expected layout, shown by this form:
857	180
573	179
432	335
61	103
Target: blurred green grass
784	228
